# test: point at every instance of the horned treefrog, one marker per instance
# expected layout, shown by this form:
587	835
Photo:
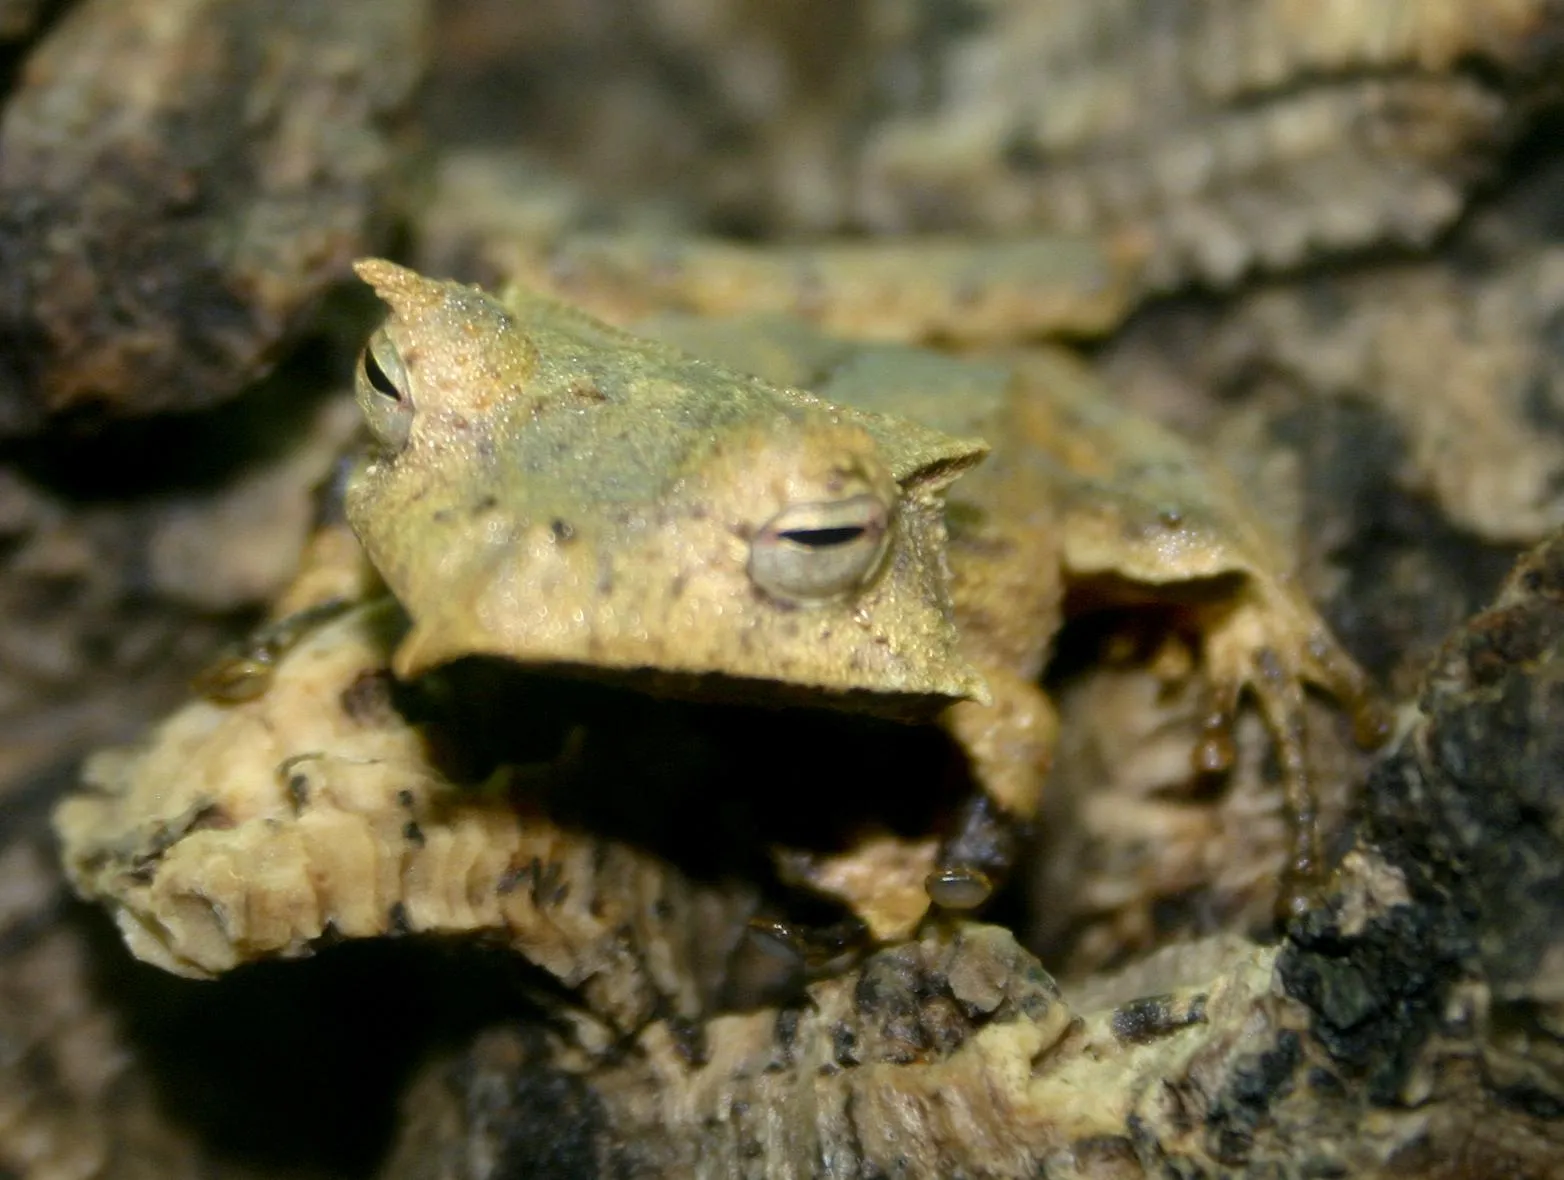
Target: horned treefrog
572	496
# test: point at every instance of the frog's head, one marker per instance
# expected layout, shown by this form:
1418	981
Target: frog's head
550	490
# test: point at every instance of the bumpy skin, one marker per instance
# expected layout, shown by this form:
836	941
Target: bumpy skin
492	514
570	496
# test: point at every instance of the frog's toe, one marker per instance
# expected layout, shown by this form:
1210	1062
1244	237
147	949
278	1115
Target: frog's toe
1216	750
959	888
244	672
1297	896
1270	657
1278	690
976	857
767	967
1328	666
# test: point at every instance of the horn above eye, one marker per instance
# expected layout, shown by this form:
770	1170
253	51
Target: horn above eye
820	551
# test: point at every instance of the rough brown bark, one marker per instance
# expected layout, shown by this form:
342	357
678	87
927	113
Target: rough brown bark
1408	1025
1251	135
177	182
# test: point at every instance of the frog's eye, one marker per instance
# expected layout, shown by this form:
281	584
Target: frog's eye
383	394
822	551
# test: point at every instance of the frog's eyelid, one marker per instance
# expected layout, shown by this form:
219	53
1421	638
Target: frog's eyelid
381	386
823	538
377	377
939	469
820	552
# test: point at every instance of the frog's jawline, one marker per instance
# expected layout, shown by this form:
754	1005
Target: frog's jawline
912	708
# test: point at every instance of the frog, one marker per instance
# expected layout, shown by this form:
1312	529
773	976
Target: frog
745	508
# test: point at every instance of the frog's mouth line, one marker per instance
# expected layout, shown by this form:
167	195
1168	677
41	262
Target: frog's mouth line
912	708
860	675
667	774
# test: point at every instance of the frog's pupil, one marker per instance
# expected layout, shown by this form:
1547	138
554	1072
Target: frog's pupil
378	380
823	538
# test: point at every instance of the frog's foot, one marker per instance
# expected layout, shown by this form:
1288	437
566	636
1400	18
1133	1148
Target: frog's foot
244	671
1009	745
775	959
333	576
766	968
976	858
880	879
1271	648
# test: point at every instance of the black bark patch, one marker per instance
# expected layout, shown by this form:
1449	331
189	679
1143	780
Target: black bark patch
1410	574
894	995
1114	1152
1255	1086
1376	996
1473	811
368	700
1152	1017
552	1127
689	1040
786	1030
844	1042
1470	810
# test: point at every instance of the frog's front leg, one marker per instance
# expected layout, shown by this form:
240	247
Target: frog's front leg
888	879
1009	745
1144	517
333	577
1267	640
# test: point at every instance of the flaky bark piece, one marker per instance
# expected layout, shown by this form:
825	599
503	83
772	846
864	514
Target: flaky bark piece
1459	356
98	591
178	182
1232	136
1248	134
1407	1026
951	1056
77	1099
501	218
313	810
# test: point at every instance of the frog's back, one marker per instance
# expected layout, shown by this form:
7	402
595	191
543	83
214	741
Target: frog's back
955	396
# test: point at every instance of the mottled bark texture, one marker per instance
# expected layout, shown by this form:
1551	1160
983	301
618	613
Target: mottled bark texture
1409	1025
111	1070
18	18
178	180
1232	136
